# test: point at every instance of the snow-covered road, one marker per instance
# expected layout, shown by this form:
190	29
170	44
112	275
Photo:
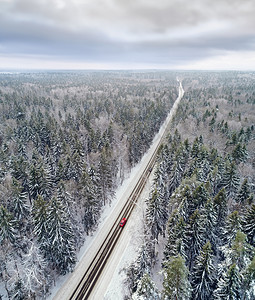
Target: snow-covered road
127	237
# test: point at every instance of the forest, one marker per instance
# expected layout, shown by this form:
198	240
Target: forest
67	141
201	205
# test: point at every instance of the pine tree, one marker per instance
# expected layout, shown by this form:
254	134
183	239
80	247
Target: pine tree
188	205
34	182
218	174
176	284
60	171
195	148
241	252
203	277
230	285
200	196
19	168
76	166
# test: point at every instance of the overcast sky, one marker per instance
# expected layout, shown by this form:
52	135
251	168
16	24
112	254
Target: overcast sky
124	34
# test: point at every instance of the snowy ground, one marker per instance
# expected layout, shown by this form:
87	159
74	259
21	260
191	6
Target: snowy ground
125	254
109	285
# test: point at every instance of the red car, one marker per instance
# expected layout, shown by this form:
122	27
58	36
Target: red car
123	222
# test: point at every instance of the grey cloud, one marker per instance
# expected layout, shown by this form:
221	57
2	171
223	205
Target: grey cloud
118	30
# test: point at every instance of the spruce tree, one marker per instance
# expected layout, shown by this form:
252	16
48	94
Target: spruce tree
220	204
231	180
90	202
244	192
176	240
200	196
146	289
60	237
249	224
249	281
19	206
8	232
233	224
176	174
155	214
209	216
203	275
195	237
40	211
106	180
230	285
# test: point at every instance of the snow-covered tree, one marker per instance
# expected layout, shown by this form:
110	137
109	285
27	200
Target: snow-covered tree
231	179
220	204
200	196
106	179
230	285
60	237
240	252
195	237
233	224
203	275
176	174
214	178
146	289
19	206
39	179
19	291
249	281
176	239
240	153
138	268
244	192
249	224
156	214
208	216
90	202
40	211
34	273
8	231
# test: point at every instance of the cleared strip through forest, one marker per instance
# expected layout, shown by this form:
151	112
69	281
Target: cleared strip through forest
88	279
